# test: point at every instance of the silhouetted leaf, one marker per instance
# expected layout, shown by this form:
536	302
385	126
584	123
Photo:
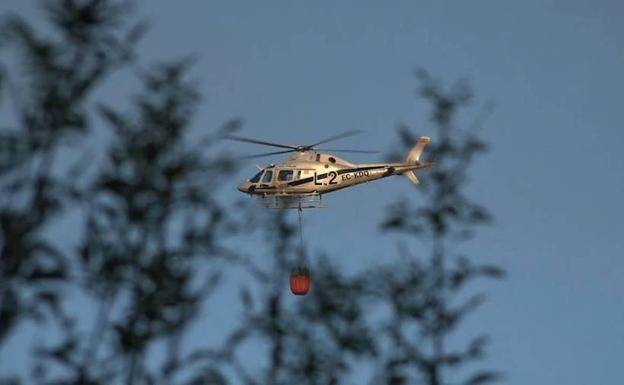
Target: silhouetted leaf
483	377
208	376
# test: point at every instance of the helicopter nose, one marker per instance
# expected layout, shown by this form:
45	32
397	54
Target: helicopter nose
243	187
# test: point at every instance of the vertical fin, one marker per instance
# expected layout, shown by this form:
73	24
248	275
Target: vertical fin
414	155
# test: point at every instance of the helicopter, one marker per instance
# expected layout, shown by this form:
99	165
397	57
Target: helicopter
301	180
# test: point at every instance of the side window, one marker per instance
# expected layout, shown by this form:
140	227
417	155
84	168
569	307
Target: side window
318	157
267	177
299	174
256	177
285	175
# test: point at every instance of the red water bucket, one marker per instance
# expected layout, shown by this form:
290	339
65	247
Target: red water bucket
300	281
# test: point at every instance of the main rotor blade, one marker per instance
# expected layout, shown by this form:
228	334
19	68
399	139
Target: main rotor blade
265	154
353	151
239	139
339	136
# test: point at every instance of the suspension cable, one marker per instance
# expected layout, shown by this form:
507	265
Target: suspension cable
300	212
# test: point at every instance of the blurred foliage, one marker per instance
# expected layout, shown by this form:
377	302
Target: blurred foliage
148	242
143	281
428	298
308	340
49	93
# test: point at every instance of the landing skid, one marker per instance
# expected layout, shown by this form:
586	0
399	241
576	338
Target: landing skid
284	201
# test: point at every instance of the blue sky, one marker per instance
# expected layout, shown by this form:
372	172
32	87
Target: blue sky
299	71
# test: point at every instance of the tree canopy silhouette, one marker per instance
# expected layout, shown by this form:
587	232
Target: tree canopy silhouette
148	223
146	240
427	297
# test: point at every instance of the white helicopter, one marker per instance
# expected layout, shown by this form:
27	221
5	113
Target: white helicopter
300	181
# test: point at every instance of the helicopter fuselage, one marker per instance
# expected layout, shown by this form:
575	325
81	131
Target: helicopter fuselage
311	172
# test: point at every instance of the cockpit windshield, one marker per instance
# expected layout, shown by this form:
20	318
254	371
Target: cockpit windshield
267	177
256	177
